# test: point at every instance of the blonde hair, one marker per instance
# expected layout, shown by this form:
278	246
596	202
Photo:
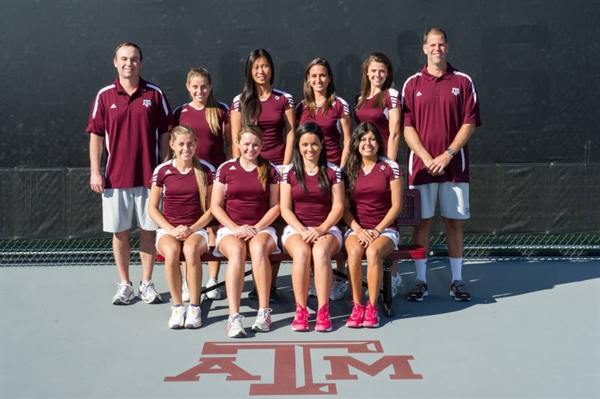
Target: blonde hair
262	165
212	107
200	176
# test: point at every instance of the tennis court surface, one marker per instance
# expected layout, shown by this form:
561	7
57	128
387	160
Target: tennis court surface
531	331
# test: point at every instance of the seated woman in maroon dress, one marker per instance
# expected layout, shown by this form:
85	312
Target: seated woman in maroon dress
312	202
184	184
245	200
374	192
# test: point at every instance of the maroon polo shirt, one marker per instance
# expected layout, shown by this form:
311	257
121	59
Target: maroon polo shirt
210	146
379	116
437	108
180	194
330	125
312	207
272	123
245	200
372	196
131	126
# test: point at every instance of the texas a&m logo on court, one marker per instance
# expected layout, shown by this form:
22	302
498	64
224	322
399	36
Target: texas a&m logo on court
296	367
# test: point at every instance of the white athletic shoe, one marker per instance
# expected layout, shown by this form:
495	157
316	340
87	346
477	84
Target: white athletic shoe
193	318
216	293
124	294
263	320
177	317
397	281
235	329
148	293
338	288
185	292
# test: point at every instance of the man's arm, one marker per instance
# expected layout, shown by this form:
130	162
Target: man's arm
164	147
96	149
416	145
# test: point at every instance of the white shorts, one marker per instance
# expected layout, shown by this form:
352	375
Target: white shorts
454	199
161	232
224	231
119	206
334	231
392	234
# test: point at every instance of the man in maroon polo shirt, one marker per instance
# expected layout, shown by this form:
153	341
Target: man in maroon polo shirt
441	111
129	119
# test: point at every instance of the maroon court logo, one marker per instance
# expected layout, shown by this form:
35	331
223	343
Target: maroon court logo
291	372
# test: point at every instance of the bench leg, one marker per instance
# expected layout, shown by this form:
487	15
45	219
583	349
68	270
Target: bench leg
386	302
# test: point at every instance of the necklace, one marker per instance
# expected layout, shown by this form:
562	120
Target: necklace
368	169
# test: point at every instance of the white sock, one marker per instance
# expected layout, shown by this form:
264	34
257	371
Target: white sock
456	266
421	267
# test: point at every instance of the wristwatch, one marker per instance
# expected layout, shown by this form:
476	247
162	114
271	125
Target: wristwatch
451	151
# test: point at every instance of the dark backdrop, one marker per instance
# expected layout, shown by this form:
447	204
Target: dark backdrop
536	161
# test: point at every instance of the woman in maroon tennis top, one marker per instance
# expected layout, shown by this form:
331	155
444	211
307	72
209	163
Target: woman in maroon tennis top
379	103
374	193
270	109
184	185
245	201
312	203
332	113
210	121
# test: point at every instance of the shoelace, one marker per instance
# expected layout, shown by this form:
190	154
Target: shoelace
122	289
370	311
265	314
418	286
324	311
302	314
461	287
237	318
356	309
148	288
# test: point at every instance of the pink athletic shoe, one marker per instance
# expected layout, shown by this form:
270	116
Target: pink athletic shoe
300	322
356	318
371	319
323	319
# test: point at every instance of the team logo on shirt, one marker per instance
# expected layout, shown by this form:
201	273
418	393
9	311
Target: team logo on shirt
418	94
455	91
276	97
147	103
113	106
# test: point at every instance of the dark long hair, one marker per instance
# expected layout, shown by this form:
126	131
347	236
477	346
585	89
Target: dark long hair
365	87
355	161
309	95
298	162
249	101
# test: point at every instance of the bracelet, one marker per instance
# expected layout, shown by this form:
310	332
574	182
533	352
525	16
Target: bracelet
378	232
